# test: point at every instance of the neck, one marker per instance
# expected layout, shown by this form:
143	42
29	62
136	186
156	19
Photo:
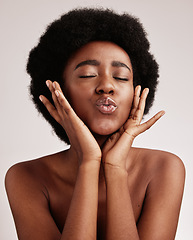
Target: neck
101	139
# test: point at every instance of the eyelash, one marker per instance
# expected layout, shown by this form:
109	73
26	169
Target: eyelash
122	79
90	76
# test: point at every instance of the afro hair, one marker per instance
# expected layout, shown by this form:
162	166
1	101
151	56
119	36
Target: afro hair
73	30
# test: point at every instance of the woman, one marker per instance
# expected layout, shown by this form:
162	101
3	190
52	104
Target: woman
102	80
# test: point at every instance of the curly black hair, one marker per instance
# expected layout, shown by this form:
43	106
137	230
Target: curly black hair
73	30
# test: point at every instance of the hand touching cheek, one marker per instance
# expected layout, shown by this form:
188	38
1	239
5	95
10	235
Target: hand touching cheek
117	147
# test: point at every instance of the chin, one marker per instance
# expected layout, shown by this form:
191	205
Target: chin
105	129
104	132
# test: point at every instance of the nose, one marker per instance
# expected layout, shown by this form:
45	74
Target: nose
105	86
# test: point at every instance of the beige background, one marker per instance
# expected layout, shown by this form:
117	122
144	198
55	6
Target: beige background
24	135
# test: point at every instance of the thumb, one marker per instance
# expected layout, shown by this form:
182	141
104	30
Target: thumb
146	125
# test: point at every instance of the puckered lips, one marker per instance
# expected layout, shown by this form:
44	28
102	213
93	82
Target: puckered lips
106	105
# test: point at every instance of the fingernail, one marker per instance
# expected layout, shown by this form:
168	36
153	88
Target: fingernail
163	112
41	99
47	83
57	93
139	89
54	85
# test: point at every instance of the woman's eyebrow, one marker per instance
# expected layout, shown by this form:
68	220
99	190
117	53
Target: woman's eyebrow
88	62
97	63
119	64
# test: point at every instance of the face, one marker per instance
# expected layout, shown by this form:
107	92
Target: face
98	83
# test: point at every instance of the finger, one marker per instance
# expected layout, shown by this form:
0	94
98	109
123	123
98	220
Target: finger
70	118
128	136
145	126
135	101
66	107
61	98
64	103
141	106
52	90
56	86
51	109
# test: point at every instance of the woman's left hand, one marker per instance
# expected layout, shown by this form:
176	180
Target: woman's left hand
117	147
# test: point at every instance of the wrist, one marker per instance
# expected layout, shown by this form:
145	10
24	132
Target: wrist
114	172
89	166
89	161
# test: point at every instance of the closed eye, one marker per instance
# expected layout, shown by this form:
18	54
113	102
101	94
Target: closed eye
87	76
122	79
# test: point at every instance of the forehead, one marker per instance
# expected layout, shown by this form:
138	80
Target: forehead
100	50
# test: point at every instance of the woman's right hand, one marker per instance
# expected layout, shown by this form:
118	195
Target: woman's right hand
81	139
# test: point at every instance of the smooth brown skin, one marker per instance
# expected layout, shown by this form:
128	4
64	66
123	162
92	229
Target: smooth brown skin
101	188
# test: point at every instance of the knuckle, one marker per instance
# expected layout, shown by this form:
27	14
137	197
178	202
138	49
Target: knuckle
135	117
62	101
67	110
148	126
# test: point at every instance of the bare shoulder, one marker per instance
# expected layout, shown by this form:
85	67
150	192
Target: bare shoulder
24	177
27	185
160	162
26	169
165	172
31	177
166	176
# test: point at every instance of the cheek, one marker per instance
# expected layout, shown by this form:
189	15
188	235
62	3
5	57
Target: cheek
127	99
78	99
126	107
